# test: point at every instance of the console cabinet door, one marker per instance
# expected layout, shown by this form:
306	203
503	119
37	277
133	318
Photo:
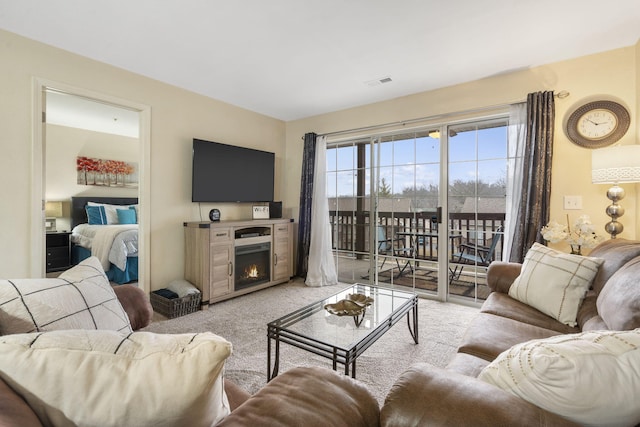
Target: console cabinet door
281	253
221	256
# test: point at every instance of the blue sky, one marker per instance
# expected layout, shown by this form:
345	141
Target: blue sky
476	154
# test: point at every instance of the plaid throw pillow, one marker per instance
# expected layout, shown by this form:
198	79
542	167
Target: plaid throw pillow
554	282
80	298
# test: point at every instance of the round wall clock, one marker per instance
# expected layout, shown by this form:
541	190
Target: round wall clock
598	124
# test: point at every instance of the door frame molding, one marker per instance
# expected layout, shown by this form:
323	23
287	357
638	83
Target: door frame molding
38	262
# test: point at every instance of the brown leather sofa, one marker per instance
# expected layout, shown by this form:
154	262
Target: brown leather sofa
427	395
298	397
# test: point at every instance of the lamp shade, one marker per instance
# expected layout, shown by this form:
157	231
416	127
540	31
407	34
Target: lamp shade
53	209
614	165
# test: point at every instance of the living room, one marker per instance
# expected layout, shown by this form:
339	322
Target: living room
175	116
179	115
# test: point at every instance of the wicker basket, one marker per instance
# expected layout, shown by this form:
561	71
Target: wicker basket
175	307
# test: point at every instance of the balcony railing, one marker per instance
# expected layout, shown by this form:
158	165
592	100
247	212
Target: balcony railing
351	230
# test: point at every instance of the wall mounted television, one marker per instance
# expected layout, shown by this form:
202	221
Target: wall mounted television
227	173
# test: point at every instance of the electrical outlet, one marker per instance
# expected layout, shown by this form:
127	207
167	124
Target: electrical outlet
573	202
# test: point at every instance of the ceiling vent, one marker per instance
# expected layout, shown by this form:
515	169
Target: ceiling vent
379	81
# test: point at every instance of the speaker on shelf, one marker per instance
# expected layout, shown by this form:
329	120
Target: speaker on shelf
275	209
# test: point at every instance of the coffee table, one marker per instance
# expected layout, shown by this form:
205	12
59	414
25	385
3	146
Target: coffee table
314	329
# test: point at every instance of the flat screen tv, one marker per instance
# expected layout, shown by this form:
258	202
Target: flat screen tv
226	173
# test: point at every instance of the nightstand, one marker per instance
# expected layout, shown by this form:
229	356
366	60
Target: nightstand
58	251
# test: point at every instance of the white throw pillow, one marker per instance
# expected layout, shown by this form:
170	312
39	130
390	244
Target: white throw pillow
182	288
80	298
591	378
101	378
554	282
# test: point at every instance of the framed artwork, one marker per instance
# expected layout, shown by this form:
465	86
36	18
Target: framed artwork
106	173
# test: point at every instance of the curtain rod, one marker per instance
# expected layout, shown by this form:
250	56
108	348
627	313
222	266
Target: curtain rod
560	95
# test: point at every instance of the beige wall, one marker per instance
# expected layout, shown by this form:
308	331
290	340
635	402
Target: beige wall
177	116
611	75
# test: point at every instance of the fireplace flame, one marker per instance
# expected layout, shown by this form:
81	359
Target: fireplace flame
252	271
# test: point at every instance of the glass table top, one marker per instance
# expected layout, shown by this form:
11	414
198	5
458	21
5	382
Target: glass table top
315	323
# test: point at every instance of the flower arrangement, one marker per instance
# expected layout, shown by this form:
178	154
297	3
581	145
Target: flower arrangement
582	235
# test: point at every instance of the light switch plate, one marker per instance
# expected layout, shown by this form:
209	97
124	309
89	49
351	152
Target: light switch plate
572	202
261	212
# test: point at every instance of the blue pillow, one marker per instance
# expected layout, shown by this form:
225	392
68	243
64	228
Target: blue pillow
96	215
126	216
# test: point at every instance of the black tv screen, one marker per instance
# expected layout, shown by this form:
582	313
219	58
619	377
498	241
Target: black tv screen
226	173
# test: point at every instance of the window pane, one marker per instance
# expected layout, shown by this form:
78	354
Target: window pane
428	175
332	184
386	153
404	152
462	146
404	177
345	183
492	143
331	159
427	150
492	174
346	158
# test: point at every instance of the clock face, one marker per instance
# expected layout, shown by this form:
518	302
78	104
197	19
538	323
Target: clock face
597	124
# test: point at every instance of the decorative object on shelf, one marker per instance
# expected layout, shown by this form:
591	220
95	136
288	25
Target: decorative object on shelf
52	210
598	124
614	165
260	212
582	235
214	215
354	305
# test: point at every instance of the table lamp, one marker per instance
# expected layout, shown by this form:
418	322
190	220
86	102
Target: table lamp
615	165
52	210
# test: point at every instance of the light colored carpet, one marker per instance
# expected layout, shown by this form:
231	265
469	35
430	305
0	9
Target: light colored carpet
243	321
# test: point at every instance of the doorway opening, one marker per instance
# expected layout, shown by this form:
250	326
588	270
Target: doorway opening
46	158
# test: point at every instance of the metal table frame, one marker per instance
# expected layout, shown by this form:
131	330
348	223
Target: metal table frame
278	332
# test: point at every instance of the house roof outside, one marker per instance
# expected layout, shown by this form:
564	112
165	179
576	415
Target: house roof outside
484	205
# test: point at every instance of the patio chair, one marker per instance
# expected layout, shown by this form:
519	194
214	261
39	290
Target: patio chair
393	247
474	254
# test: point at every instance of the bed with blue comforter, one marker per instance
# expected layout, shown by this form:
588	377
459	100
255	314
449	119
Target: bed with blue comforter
107	228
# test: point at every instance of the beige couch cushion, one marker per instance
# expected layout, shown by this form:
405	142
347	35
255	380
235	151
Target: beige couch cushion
80	298
591	378
102	378
554	282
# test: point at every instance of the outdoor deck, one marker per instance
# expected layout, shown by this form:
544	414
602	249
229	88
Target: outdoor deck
418	230
471	284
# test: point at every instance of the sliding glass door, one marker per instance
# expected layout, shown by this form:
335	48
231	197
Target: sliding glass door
408	207
477	195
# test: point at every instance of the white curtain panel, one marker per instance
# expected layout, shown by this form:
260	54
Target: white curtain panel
516	142
322	268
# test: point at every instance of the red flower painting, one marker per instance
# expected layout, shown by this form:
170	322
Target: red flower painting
109	173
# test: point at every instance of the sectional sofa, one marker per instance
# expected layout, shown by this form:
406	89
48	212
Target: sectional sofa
519	365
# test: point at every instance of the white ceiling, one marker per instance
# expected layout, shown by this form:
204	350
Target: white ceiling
77	112
291	59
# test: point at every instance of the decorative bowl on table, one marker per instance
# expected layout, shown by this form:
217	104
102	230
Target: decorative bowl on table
354	305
